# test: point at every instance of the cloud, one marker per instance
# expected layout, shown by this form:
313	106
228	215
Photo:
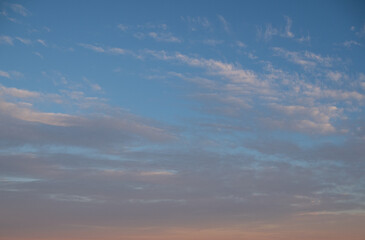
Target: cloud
271	31
92	47
268	33
361	32
335	76
150	25
196	23
348	152
288	32
18	93
11	74
17	8
229	89
101	129
42	42
233	88
240	44
24	41
108	50
26	114
93	86
311	119
304	39
38	54
224	23
164	37
212	42
305	59
334	94
351	43
70	198
139	35
122	27
4	74
224	188
6	40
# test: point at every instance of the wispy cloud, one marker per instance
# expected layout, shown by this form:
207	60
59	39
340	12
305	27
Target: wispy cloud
42	42
18	93
11	74
240	44
271	31
317	106
305	59
164	37
116	51
314	119
24	40
304	39
17	107
361	32
224	23
351	43
93	86
6	40
212	42
92	47
108	50
38	54
4	74
122	27
335	76
196	23
288	32
20	9
268	33
24	113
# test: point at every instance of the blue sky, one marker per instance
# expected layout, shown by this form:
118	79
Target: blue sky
194	119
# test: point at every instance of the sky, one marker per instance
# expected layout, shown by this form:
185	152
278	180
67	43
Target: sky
182	120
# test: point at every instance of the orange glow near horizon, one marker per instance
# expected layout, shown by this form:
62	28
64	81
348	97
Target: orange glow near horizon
322	227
